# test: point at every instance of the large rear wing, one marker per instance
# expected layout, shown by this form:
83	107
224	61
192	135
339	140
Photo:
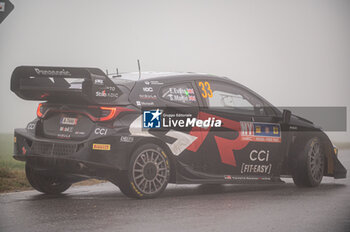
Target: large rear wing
64	85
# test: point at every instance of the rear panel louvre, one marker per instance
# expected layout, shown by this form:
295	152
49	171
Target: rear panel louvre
55	149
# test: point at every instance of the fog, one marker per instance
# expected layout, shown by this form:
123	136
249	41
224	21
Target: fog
294	53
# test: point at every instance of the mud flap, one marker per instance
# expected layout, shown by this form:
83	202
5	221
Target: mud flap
339	171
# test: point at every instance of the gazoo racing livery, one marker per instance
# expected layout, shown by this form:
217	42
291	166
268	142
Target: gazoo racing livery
143	133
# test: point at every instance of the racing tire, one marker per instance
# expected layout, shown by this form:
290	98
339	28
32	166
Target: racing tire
148	174
309	165
45	184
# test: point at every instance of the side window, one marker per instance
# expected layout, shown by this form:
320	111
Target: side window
223	96
179	93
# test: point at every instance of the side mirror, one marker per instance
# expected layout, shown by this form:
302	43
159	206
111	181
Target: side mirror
286	116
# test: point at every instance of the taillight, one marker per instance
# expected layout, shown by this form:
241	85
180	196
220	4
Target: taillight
108	113
95	113
39	111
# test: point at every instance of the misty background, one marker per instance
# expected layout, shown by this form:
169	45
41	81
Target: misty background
293	53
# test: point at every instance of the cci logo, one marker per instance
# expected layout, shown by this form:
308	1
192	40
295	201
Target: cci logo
152	118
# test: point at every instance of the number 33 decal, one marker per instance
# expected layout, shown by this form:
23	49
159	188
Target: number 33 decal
206	91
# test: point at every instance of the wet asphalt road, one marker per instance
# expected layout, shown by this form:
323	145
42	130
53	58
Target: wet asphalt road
184	208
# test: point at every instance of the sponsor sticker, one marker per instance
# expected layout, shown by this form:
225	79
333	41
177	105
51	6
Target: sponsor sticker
153	83
62	72
261	132
256	168
103	93
147	89
148	96
31	126
258	129
102	147
142	103
69	121
98	81
101	131
63	136
260	156
126	139
66	128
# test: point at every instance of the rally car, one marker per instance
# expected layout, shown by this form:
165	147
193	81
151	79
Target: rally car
142	131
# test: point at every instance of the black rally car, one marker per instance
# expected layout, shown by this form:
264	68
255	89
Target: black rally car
143	131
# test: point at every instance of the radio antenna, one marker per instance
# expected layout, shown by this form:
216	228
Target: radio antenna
138	64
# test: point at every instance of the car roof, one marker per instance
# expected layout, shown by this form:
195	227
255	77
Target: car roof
129	79
166	76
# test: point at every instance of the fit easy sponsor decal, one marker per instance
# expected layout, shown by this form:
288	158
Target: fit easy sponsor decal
102	147
261	163
256	168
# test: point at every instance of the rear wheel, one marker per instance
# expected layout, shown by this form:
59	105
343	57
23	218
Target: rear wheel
148	173
45	184
309	165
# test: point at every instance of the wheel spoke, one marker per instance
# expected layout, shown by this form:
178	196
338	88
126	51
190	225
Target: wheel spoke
143	179
138	177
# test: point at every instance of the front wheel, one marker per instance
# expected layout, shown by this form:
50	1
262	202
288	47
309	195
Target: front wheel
148	173
309	165
45	184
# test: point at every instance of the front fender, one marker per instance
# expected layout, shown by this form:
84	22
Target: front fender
333	166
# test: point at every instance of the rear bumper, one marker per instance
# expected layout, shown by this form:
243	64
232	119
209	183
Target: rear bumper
100	153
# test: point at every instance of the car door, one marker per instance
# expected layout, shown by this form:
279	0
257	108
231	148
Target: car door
179	101
249	140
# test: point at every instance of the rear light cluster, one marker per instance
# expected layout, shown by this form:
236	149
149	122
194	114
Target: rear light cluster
105	113
39	111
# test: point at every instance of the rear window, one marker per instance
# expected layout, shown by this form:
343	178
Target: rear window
179	93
